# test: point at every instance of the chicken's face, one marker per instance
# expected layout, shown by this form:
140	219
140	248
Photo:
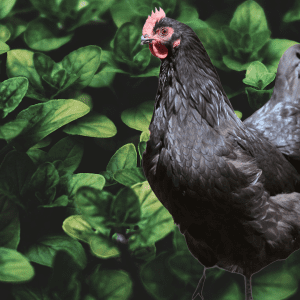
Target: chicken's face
158	32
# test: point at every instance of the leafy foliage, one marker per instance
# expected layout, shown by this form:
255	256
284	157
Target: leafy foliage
74	78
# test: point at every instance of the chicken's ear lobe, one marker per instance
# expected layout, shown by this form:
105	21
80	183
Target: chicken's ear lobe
176	43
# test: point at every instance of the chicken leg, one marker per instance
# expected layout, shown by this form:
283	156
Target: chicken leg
200	285
248	287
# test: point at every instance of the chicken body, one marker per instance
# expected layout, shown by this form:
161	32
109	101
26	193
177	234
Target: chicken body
279	119
230	190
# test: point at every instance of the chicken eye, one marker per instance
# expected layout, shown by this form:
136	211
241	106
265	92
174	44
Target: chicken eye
164	31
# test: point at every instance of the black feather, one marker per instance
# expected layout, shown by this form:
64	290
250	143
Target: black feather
226	183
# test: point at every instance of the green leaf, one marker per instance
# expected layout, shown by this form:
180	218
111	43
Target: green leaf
43	143
121	12
233	92
272	52
274	285
12	92
39	95
92	125
38	156
43	184
159	280
15	26
144	254
145	136
246	43
3	47
215	45
109	178
103	79
45	248
124	158
63	200
106	72
71	14
9	220
189	16
232	290
234	64
48	71
64	183
238	113
76	227
156	222
258	76
59	165
86	179
83	97
20	63
63	283
141	8
30	291
103	247
5	7
259	39
258	98
291	264
54	10
184	266
12	129
111	284
152	69
151	72
127	39
44	35
58	78
142	59
94	205
179	241
15	172
219	18
85	12
68	150
45	118
232	36
126	207
4	33
14	267
249	18
138	118
83	63
130	176
142	147
293	14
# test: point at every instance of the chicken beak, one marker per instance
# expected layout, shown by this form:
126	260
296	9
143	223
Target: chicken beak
145	40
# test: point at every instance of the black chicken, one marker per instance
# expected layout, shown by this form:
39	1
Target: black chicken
229	185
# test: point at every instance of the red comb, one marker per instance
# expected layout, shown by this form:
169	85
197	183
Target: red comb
150	22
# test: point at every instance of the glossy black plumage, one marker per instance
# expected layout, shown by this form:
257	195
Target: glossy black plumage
279	119
227	184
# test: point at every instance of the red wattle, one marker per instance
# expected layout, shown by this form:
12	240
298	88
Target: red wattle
158	50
